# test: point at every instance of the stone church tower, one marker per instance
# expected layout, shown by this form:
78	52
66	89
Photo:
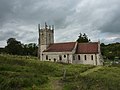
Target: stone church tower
46	37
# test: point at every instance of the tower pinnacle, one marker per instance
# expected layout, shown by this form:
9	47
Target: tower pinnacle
52	27
38	26
46	25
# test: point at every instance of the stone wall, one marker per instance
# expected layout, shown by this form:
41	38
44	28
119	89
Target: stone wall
66	57
69	57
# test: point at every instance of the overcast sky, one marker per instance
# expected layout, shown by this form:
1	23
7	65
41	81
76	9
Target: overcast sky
99	19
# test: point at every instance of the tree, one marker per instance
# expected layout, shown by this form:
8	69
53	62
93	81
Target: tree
110	51
83	38
30	49
14	47
2	50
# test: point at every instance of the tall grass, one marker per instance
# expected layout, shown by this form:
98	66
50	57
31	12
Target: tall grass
27	73
107	78
18	72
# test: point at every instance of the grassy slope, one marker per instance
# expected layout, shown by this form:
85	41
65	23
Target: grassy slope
21	73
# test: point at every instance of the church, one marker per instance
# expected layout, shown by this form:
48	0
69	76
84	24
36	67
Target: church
67	52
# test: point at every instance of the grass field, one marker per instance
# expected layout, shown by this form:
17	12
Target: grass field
28	73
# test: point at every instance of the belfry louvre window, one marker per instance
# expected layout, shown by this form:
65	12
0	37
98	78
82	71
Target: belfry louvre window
85	57
78	57
49	38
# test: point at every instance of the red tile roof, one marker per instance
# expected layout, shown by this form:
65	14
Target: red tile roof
82	48
87	48
61	47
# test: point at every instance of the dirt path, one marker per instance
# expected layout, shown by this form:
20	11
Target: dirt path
91	70
57	85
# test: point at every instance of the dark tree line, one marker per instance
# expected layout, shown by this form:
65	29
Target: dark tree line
15	47
111	51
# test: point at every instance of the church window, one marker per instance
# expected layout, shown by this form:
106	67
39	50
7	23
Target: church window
78	57
91	57
54	60
85	57
46	57
64	56
60	57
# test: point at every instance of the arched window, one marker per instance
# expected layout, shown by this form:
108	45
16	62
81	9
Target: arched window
85	57
91	57
78	57
64	56
54	60
60	57
46	57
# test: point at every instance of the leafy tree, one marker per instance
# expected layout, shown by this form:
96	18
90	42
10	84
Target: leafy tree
2	50
30	49
17	48
14	47
83	38
110	51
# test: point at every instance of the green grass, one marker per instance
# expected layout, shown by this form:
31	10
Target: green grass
28	73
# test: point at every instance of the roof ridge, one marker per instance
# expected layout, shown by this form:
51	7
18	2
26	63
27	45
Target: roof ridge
63	42
87	42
